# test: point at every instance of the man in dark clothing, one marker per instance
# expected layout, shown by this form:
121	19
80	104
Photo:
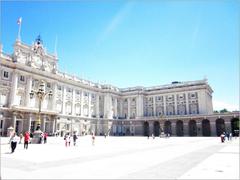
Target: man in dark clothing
74	139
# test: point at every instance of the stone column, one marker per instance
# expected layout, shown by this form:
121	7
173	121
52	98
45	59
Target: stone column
13	88
28	90
64	100
89	105
73	102
175	104
53	125
173	126
107	106
29	122
213	128
43	121
129	108
54	97
187	104
121	108
115	107
185	128
140	106
97	105
150	128
154	106
164	105
82	95
14	119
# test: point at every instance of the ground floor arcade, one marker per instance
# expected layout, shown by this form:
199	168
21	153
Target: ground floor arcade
55	124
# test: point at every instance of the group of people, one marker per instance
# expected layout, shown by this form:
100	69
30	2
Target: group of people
67	139
15	139
167	135
226	135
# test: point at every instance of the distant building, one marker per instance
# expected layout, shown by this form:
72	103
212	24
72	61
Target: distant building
82	106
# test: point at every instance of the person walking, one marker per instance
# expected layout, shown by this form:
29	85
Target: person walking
45	137
74	139
67	138
222	137
20	136
14	139
93	139
26	139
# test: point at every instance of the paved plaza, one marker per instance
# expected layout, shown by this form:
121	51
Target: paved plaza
123	158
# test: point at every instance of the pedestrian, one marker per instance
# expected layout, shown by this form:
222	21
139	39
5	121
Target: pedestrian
14	139
20	136
74	139
105	135
26	139
222	137
153	136
230	136
45	137
93	139
67	140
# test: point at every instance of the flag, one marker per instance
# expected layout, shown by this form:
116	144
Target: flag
19	21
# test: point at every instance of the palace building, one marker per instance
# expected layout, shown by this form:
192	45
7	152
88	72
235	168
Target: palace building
81	106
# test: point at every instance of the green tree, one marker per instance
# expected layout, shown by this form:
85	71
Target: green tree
223	110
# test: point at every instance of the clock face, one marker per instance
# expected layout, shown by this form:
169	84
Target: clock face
37	62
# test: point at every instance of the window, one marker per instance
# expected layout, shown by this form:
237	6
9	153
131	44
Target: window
48	85
5	74
22	78
3	100
1	126
60	88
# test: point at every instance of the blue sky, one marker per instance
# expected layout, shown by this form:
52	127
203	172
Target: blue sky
132	43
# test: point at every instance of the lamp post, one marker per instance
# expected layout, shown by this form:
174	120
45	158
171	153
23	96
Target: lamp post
40	94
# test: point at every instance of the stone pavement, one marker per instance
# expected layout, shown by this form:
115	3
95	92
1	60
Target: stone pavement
123	158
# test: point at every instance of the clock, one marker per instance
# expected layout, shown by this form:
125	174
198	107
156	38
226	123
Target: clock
36	61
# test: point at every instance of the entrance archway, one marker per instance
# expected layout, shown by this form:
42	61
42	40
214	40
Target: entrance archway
192	127
156	128
235	126
146	128
206	131
167	127
179	128
220	126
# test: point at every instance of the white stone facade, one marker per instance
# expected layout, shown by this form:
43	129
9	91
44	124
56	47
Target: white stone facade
83	106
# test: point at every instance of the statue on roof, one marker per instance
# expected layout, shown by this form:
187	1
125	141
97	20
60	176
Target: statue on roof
38	46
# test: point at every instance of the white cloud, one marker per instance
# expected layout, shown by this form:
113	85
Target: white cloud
219	105
116	20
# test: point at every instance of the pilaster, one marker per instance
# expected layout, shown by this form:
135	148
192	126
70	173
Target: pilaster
14	88
28	90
